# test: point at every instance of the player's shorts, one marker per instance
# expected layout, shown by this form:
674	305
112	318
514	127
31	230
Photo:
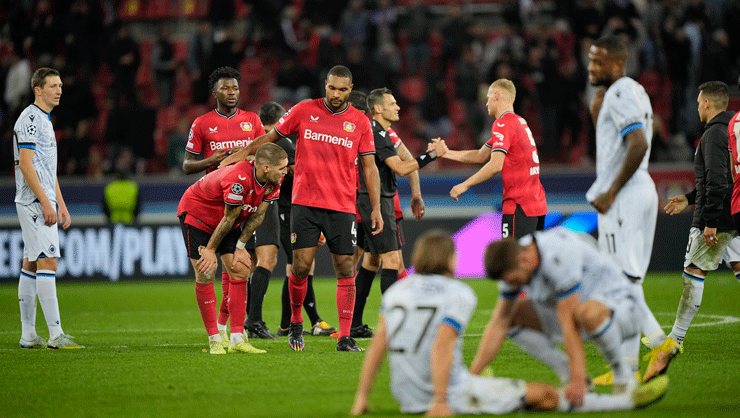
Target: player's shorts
268	232
388	239
401	237
284	218
360	234
627	230
518	224
702	256
490	395
732	252
38	239
197	239
339	228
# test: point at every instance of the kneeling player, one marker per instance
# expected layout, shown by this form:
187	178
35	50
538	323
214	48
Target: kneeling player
421	325
243	192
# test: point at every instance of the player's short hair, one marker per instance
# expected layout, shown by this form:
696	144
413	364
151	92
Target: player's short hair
222	72
340	71
506	86
432	252
358	100
500	256
270	113
716	91
39	76
377	96
270	154
613	45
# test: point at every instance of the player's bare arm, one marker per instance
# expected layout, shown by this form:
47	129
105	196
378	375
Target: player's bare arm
494	335
596	103
25	163
492	167
192	164
441	356
64	217
372	181
574	349
636	148
242	154
253	222
371	365
404	168
417	203
207	261
472	156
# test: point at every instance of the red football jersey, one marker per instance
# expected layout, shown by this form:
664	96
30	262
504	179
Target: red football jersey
326	153
733	134
520	174
213	132
233	185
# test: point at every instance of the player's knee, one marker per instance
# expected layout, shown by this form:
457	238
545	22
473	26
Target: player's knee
46	263
391	260
591	314
201	278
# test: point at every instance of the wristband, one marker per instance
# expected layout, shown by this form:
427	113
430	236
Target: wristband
426	159
240	245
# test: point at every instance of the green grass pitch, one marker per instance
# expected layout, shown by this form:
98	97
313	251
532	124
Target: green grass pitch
144	357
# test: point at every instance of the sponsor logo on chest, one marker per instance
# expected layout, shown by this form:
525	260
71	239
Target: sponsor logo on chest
334	140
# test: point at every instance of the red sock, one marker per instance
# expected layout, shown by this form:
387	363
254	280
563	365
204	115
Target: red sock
297	288
223	314
402	274
345	304
238	305
206	297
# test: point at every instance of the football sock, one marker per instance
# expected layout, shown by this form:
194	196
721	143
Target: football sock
297	289
541	347
693	290
345	304
257	288
597	402
46	288
648	324
222	327
402	274
237	305
27	301
387	278
206	297
223	314
608	339
363	283
285	311
309	303
631	351
737	275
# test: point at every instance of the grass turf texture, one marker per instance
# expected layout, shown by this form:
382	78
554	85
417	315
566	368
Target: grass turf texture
144	357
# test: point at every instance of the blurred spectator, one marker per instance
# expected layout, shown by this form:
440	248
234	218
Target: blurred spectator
353	23
75	120
454	35
176	144
84	35
415	24
200	61
387	68
434	112
131	127
542	70
467	82
293	83
226	51
383	24
124	60
221	12
360	66
45	31
164	66
678	56
290	42
18	93
715	58
731	17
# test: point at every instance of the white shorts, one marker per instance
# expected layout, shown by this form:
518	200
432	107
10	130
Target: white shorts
702	256
732	252
627	230
490	395
38	238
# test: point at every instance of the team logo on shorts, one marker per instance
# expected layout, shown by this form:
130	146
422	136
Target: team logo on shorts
237	188
52	249
200	249
292	238
349	126
246	126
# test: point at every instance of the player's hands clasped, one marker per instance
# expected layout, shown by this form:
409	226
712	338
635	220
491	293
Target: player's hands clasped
439	146
676	204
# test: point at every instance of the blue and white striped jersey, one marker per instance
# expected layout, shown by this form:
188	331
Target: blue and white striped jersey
33	130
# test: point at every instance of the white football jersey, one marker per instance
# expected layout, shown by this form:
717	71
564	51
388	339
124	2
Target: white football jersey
569	263
626	107
414	308
33	130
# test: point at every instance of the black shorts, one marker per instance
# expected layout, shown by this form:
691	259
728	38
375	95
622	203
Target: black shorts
284	218
519	224
361	237
339	228
197	239
268	232
388	239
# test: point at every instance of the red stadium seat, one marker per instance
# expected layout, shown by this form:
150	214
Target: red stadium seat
158	9
413	89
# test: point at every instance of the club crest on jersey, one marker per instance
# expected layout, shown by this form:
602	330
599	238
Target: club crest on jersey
268	189
246	126
293	238
237	188
200	249
349	126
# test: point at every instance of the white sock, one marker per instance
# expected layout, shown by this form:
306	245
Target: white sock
693	290
648	324
631	352
541	347
46	288
597	402
222	327
27	301
237	338
608	339
215	337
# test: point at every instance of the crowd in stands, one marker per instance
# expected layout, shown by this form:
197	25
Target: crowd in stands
135	71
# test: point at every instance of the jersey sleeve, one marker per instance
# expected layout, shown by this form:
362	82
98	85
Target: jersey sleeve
234	188
384	147
500	138
459	308
627	115
288	124
394	138
274	194
29	132
195	139
367	143
259	129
